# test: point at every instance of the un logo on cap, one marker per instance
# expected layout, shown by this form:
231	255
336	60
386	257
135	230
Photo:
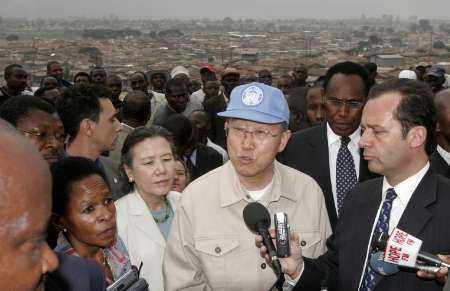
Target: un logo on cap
252	96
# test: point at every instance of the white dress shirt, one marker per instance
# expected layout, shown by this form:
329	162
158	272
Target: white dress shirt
444	154
334	143
404	191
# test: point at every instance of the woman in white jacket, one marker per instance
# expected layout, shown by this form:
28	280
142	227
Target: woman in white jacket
144	216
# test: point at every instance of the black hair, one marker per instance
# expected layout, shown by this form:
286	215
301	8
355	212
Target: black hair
65	172
80	74
181	128
41	84
174	82
9	70
135	137
97	69
138	111
50	64
19	107
348	68
142	73
371	67
205	115
264	71
77	105
152	74
416	107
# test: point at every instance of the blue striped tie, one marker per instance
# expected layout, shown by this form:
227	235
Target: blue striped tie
371	278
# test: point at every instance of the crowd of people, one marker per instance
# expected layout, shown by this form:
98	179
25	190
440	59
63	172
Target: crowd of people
97	179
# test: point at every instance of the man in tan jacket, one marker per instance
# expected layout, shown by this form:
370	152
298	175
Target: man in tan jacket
210	247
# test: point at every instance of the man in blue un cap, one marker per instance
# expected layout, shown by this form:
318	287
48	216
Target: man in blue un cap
210	246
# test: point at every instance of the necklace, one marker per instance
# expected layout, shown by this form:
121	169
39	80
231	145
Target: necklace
102	258
166	215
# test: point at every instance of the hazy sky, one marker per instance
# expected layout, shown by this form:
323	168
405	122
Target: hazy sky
186	9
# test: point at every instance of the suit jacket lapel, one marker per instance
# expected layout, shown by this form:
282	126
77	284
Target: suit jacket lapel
320	156
143	219
416	214
369	204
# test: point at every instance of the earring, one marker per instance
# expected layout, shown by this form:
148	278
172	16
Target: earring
64	229
130	180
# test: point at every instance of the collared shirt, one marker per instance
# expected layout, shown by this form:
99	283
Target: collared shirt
404	191
116	255
334	143
444	154
209	243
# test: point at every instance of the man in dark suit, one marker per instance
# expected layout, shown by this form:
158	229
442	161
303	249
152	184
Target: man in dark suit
318	151
90	121
398	123
440	159
199	158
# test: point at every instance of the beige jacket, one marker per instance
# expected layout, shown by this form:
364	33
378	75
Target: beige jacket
142	237
210	247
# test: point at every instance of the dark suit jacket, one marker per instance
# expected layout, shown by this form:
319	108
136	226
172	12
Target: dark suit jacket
113	177
76	274
307	151
426	217
439	165
207	159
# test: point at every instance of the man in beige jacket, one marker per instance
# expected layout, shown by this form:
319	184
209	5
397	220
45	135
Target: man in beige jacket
210	247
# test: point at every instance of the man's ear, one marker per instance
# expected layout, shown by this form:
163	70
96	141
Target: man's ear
417	136
285	136
87	127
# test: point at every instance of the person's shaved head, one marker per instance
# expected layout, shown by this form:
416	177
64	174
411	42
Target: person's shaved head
442	102
25	192
136	108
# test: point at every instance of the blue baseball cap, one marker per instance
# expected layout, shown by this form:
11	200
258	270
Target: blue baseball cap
257	102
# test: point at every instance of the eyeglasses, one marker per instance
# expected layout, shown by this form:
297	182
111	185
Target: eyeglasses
353	104
259	134
43	137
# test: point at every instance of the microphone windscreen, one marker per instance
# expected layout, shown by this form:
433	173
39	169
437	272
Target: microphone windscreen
255	213
381	267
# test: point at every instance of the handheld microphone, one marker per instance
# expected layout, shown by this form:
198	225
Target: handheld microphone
387	269
402	246
257	219
381	267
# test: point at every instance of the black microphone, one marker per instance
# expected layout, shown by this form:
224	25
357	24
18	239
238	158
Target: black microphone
257	219
381	242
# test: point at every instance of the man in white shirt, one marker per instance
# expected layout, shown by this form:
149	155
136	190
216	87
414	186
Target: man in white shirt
329	153
399	123
440	159
209	246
